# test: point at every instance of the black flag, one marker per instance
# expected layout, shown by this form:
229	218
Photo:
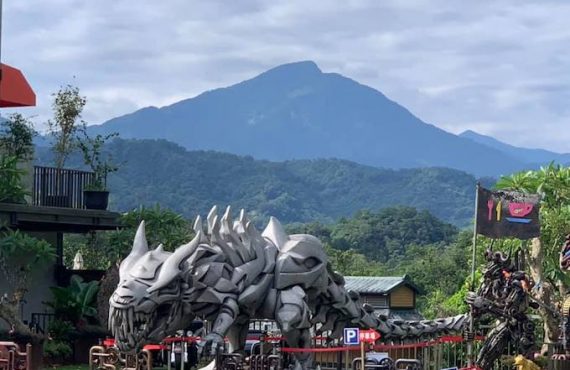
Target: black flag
508	214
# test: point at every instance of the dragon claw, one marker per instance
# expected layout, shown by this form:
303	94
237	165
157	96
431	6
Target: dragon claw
212	343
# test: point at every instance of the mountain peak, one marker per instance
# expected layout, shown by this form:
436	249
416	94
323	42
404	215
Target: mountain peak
305	67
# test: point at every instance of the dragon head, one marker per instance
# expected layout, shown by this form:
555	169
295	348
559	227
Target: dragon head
148	302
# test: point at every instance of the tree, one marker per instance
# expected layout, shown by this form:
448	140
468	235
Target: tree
103	250
67	107
21	256
553	183
16	146
91	148
16	137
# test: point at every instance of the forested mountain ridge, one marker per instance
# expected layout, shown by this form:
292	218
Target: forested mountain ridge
296	111
190	182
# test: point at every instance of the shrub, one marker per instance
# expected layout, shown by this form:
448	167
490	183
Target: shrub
57	352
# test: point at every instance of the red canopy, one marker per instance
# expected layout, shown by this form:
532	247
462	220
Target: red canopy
15	91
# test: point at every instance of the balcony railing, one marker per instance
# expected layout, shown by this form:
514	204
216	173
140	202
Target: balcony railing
56	187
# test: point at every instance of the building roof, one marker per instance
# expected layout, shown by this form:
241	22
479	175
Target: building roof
15	91
377	284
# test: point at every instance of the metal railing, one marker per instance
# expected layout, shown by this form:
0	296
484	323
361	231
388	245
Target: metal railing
57	187
40	322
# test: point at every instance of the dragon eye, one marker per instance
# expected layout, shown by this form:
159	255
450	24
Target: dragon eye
311	262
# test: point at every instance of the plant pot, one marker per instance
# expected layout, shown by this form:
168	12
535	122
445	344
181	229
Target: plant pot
96	199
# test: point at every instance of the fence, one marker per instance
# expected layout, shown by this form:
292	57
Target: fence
40	322
56	187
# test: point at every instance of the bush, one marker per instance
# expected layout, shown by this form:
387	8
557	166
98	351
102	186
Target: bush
11	184
60	330
75	303
57	352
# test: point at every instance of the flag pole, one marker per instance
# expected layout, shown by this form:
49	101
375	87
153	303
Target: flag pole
473	263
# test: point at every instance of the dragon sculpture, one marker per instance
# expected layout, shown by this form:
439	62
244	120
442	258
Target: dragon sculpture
504	296
231	273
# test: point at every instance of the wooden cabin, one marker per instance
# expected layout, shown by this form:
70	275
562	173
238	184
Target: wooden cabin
392	296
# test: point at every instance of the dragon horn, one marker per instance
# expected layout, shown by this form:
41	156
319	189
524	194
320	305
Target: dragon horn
171	267
140	247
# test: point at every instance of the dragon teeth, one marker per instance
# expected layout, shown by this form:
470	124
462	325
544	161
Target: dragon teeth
130	320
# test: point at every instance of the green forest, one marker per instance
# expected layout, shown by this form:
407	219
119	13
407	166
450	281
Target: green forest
190	182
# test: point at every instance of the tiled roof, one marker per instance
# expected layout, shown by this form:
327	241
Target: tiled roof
376	284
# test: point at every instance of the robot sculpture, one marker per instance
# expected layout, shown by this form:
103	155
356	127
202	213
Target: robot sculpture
231	273
503	295
565	266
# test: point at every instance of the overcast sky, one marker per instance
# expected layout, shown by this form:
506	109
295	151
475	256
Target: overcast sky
497	67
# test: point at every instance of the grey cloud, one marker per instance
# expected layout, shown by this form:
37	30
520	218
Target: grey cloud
497	67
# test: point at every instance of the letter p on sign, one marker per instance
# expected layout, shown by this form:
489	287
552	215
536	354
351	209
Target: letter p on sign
351	336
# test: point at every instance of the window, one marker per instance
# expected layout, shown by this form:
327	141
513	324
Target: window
377	301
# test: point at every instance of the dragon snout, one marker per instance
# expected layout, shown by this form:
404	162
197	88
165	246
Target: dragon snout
120	300
129	327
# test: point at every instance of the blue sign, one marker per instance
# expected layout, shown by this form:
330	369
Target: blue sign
351	336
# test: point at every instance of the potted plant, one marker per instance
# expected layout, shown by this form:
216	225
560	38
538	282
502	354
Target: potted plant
96	195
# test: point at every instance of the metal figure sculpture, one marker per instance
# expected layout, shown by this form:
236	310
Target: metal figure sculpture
565	266
503	295
230	273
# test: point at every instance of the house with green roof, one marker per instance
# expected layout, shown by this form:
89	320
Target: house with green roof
391	296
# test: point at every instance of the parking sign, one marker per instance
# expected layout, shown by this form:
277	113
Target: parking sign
351	336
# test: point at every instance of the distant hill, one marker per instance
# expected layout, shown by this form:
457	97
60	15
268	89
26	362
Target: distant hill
190	182
295	111
535	156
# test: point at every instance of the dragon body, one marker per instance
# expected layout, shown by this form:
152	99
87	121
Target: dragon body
231	273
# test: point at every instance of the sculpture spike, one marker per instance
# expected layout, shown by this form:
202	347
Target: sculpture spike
226	227
275	233
160	248
242	216
229	232
171	267
235	259
198	224
140	247
211	218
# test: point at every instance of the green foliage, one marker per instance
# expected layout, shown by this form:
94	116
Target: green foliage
16	137
91	148
21	255
553	183
75	303
67	107
16	145
57	352
384	235
59	329
350	262
191	182
163	226
439	303
12	189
